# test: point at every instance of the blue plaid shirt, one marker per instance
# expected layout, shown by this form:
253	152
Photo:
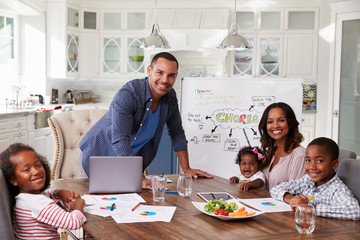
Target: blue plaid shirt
117	130
332	199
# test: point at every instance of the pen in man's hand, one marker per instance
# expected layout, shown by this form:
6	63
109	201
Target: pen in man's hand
112	207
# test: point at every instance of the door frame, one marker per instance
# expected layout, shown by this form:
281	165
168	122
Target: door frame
342	11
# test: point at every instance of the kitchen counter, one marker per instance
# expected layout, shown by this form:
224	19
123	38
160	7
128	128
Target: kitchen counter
13	112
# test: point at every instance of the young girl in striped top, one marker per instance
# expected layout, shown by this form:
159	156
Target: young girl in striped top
36	214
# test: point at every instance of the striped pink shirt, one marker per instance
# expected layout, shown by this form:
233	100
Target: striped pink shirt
37	216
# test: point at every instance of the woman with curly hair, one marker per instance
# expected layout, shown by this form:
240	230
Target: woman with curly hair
280	141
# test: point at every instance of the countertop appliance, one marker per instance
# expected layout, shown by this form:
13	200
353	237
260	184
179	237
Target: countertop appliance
69	96
55	96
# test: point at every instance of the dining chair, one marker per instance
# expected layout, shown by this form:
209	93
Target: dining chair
6	231
344	154
68	129
348	171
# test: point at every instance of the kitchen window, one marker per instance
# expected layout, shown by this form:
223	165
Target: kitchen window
7	39
9	61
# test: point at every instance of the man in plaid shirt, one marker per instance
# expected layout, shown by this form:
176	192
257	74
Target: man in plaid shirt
320	186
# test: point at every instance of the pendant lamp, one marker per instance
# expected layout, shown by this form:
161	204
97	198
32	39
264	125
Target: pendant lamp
234	40
155	39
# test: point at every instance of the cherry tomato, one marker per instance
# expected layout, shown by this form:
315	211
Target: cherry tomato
216	212
226	213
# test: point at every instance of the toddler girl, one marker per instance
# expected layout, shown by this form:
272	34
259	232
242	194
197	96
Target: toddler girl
249	159
36	214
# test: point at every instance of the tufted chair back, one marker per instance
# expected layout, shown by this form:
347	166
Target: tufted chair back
68	129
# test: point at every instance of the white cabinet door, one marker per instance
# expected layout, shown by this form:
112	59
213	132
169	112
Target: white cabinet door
43	142
187	19
301	20
308	128
269	55
215	19
164	18
89	48
4	141
300	56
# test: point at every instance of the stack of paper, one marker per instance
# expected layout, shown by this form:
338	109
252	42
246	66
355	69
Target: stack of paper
123	208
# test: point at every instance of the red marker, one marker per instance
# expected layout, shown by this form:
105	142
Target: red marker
136	206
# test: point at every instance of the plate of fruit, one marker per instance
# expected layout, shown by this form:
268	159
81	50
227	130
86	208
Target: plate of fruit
226	210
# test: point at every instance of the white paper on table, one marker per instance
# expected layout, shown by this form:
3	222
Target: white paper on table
162	214
266	204
103	209
128	197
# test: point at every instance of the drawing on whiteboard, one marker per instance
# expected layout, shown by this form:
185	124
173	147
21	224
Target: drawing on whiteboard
195	140
231	119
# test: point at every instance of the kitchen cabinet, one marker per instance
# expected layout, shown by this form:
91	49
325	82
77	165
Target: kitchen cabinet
82	44
301	20
300	56
120	52
215	19
269	58
12	130
212	18
90	20
283	46
164	18
90	55
42	141
72	47
187	18
308	128
270	20
62	40
122	55
126	20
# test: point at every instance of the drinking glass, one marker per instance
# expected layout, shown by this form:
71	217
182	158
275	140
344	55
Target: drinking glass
184	185
305	218
158	183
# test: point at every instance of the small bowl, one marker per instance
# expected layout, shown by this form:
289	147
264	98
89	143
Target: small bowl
136	58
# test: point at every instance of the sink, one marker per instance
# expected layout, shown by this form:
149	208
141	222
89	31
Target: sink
41	119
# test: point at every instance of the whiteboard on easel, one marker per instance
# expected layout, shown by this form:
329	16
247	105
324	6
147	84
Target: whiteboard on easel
221	115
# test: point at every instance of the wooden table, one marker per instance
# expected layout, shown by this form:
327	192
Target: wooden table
189	223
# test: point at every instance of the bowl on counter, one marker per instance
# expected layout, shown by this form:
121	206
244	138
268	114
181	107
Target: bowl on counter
136	58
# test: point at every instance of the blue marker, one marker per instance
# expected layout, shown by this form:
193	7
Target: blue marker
167	191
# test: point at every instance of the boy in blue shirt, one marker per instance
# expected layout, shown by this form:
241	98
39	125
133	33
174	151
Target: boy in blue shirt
320	186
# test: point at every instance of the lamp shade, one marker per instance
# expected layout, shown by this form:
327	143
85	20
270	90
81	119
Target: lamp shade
155	39
234	40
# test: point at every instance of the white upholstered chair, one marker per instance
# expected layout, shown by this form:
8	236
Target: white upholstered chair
68	129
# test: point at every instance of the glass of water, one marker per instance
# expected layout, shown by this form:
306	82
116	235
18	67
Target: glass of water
305	218
184	185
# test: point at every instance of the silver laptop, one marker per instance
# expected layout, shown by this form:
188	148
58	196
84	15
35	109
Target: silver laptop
118	174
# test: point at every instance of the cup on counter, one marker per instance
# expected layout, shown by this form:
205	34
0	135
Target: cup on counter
305	218
184	185
158	183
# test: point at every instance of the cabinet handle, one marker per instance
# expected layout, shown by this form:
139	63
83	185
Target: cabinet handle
19	124
20	134
335	113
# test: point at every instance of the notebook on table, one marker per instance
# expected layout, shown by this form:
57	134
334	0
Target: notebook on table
115	174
